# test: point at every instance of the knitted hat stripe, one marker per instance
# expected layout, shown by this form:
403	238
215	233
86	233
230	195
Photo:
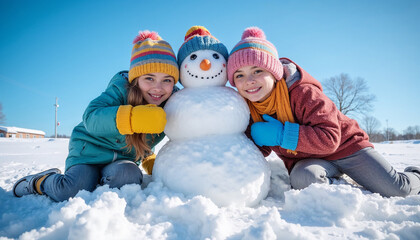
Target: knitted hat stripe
154	53
257	46
196	32
164	49
153	60
158	51
156	57
152	68
263	42
193	36
257	50
148	44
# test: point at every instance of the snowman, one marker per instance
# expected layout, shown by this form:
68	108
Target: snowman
208	153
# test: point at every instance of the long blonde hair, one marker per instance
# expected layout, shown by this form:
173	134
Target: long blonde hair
136	140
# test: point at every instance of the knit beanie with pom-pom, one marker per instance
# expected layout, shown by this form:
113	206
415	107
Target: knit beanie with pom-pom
199	38
151	54
254	50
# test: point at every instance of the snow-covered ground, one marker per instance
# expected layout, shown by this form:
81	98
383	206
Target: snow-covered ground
337	211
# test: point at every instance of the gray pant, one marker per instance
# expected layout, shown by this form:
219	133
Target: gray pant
367	167
61	187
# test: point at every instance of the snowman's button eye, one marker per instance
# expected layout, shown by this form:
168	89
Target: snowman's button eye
216	56
193	57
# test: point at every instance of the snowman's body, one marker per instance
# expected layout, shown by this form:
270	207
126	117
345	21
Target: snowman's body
208	153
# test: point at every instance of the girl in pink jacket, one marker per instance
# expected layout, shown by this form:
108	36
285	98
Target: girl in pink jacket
291	116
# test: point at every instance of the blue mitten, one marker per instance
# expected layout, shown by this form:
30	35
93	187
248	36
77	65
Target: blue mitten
269	133
274	133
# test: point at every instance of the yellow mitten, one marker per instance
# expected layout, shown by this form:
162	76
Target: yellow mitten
148	119
140	119
148	162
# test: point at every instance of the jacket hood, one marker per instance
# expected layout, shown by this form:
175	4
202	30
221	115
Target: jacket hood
294	75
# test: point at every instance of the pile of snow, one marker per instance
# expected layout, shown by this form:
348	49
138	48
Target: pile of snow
337	211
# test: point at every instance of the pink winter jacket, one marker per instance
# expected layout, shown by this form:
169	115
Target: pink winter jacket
324	132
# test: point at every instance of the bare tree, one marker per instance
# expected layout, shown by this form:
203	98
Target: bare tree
412	132
390	134
377	137
409	133
417	132
370	125
2	116
350	96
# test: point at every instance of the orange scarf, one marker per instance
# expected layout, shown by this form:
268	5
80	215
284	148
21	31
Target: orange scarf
277	103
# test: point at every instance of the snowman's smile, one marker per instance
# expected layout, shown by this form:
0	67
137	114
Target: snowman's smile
209	77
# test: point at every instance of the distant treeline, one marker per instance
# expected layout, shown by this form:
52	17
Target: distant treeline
390	134
60	136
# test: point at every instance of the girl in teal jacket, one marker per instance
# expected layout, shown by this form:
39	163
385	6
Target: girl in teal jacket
119	128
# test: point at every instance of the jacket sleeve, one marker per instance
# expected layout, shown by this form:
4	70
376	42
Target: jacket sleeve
100	116
319	130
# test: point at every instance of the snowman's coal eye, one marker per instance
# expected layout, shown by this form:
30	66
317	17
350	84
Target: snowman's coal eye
193	57
216	56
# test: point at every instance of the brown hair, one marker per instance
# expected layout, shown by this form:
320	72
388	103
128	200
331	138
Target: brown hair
136	140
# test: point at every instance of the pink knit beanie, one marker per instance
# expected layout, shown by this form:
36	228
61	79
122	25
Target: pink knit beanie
254	50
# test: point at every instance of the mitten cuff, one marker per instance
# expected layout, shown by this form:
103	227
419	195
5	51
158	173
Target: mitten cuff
290	136
123	119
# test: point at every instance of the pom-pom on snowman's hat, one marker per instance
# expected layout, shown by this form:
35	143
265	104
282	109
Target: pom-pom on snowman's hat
254	50
152	54
199	38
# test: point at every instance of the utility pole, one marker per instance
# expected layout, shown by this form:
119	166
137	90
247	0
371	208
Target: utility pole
387	131
56	106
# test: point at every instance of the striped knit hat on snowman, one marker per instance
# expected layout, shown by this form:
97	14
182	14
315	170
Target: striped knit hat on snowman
254	50
199	38
152	54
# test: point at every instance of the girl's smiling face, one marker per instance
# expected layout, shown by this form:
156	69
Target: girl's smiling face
254	83
156	87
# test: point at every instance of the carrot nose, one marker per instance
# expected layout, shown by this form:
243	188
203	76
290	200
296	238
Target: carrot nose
205	65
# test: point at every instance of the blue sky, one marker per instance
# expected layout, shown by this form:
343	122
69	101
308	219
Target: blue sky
71	49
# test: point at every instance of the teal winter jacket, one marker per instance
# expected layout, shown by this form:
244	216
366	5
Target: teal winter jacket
97	140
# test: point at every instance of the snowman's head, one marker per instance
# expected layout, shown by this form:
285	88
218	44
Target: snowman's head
203	68
202	59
